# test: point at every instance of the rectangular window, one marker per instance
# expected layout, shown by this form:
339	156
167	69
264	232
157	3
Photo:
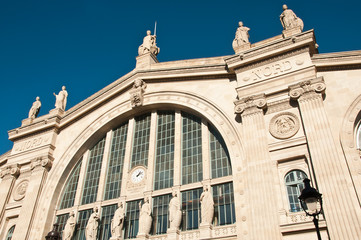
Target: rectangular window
141	141
105	224
191	149
116	161
83	218
160	214
163	176
91	183
68	197
191	209
131	224
224	212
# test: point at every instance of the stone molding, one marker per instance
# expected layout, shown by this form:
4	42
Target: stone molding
20	190
43	162
11	170
307	89
250	104
284	125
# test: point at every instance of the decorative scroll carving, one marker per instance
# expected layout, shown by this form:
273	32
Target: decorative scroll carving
13	170
251	104
225	231
137	93
20	190
284	125
307	88
45	162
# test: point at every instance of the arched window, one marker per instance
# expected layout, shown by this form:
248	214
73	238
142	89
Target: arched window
10	233
294	185
358	136
173	148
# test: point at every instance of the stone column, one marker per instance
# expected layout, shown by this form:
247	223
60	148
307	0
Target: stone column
39	170
262	216
341	210
8	175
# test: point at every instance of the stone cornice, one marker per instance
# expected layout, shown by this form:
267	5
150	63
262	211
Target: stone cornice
339	59
307	89
251	104
12	170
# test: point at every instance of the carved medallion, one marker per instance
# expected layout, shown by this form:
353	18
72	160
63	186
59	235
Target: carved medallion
284	125
20	190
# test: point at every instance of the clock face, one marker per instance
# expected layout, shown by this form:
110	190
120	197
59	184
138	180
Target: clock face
138	175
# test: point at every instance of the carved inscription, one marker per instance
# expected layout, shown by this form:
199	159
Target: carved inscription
30	144
269	71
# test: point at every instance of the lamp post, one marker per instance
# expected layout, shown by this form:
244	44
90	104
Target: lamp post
54	234
311	203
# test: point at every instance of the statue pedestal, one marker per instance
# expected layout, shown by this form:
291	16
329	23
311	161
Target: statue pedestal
145	60
291	32
205	231
57	111
172	234
243	47
142	236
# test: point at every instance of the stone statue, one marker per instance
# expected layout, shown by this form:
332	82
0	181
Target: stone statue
207	206
34	110
241	41
69	227
137	92
91	230
60	99
175	213
289	19
145	218
118	221
149	45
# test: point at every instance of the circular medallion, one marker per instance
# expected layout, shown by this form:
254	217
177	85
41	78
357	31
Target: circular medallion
284	125
20	190
137	175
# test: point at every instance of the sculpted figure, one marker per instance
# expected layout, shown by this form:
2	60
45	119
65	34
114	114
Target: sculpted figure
69	227
207	206
175	214
149	45
289	19
118	221
34	110
145	219
91	230
242	34
60	99
137	92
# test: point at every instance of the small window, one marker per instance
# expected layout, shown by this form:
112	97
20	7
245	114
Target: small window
10	233
294	185
358	136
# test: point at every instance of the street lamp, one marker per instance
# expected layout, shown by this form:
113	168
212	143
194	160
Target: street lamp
311	202
54	234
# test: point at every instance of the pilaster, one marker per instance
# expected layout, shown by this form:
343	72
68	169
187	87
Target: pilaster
39	169
261	221
8	175
330	170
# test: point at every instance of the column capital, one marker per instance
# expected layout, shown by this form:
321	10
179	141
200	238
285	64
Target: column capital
307	89
11	170
41	162
250	104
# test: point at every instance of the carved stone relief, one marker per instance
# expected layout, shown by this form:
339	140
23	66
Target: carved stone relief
284	125
20	190
137	93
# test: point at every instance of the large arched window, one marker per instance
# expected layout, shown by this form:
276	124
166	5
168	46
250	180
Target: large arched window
10	233
294	185
175	149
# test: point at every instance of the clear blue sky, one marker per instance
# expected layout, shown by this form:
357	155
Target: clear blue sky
87	44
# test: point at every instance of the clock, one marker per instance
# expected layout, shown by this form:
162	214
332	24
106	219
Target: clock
137	175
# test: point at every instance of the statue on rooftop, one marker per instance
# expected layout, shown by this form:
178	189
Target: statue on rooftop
241	40
149	45
289	19
35	108
61	98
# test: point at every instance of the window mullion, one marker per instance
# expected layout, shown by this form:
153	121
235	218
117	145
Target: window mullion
103	171
205	150
151	152
127	156
81	180
177	148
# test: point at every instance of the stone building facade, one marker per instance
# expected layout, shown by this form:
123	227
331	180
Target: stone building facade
250	126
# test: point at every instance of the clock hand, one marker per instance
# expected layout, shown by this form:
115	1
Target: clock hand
139	174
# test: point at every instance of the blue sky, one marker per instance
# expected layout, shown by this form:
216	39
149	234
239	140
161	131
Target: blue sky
87	44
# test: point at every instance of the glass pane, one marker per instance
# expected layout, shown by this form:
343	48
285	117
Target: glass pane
105	224
220	161
163	176
67	200
160	214
191	209
141	141
61	220
115	165
224	212
93	173
132	219
191	149
10	233
294	185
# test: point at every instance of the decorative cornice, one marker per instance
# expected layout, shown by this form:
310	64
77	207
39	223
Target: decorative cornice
43	162
250	104
307	89
13	170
